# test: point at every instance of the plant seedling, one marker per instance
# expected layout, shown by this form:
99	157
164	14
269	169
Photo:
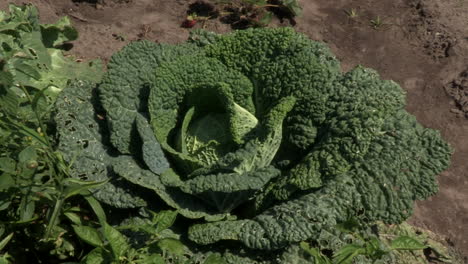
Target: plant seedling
352	13
376	23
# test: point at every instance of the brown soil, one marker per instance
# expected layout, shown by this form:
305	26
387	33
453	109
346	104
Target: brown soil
421	44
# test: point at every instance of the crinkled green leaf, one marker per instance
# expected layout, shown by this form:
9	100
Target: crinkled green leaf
82	144
187	205
338	144
129	72
153	154
225	191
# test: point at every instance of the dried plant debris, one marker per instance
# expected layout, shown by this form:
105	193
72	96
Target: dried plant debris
458	90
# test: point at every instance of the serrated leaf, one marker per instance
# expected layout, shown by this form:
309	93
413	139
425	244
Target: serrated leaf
9	101
11	26
32	42
164	220
7	165
26	209
293	6
214	259
58	33
25	72
88	235
3	16
6	78
6	182
346	254
172	246
27	154
406	243
315	253
116	240
97	256
152	259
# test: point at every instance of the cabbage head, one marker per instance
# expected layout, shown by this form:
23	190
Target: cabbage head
256	135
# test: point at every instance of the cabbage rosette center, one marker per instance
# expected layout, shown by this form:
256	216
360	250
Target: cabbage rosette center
207	126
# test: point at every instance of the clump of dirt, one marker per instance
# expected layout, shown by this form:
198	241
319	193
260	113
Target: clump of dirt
204	9
242	14
437	41
458	90
101	2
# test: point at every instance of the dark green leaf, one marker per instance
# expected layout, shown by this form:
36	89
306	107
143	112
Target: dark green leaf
97	208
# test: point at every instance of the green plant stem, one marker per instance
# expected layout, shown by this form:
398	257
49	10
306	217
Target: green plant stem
39	120
54	217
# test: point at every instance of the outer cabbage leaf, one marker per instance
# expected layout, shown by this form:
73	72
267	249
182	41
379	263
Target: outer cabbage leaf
125	87
187	205
359	108
82	140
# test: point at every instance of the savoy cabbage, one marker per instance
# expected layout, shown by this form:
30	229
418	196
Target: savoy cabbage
257	133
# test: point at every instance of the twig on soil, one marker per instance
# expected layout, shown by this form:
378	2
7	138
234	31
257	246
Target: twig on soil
78	17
